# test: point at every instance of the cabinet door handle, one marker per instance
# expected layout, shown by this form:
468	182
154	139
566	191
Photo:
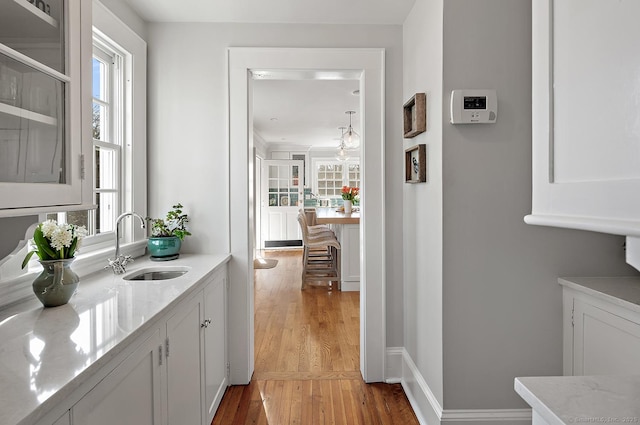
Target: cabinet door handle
206	323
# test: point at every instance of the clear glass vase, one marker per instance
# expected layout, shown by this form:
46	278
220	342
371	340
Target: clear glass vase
57	282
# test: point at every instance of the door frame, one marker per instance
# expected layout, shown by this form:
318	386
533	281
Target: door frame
368	64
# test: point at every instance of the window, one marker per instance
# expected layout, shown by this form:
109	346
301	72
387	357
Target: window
108	134
330	176
119	140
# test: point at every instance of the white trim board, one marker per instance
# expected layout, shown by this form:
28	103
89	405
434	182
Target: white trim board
401	368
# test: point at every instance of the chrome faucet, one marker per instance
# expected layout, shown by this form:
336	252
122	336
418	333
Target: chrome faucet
118	263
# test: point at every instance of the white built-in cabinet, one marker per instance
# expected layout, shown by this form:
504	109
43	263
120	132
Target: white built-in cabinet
586	167
282	197
130	394
184	357
177	374
601	326
216	364
45	85
196	356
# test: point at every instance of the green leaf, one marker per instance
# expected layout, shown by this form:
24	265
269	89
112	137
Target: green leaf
43	245
27	258
72	248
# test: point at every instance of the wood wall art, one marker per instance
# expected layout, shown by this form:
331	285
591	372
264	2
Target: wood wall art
415	164
415	115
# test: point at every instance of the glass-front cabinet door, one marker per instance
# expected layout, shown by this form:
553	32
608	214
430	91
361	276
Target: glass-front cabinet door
41	122
283	190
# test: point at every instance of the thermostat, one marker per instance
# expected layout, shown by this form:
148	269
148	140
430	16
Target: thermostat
474	106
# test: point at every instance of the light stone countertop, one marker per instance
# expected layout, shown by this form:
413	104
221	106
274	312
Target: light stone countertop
46	354
583	399
623	291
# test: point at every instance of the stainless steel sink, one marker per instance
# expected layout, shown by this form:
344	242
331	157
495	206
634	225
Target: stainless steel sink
157	273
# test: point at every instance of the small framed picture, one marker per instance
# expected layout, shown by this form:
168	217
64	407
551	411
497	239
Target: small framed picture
415	115
415	164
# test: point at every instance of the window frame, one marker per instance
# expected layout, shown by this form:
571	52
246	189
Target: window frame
316	162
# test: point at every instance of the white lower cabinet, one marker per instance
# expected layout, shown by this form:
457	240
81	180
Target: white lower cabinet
184	351
130	394
601	328
178	375
215	350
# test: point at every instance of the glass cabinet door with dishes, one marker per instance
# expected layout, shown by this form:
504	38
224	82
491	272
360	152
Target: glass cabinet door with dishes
41	127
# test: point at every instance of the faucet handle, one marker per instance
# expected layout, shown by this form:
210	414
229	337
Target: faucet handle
117	264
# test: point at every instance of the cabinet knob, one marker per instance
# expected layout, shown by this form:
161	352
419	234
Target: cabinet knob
206	323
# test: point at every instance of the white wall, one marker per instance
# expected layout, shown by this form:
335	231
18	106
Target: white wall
188	125
500	301
423	201
126	14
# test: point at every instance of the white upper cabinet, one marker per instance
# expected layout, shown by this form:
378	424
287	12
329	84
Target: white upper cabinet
586	115
45	82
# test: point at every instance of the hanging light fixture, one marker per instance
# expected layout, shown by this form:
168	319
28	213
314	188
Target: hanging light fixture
342	154
350	137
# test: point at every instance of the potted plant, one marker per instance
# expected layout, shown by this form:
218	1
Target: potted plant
56	246
167	234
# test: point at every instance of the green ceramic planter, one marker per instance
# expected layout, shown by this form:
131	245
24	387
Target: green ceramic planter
57	282
164	247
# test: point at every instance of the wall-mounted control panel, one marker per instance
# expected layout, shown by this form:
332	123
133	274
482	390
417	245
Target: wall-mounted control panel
474	106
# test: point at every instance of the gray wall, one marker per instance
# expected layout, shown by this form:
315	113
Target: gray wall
188	125
13	230
501	301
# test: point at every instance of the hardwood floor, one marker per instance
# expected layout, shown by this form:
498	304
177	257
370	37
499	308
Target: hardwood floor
307	359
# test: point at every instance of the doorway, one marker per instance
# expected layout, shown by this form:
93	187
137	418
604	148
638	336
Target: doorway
245	64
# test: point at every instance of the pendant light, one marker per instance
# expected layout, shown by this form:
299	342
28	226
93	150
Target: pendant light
350	137
342	154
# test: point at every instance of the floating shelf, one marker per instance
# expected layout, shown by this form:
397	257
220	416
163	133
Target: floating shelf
415	115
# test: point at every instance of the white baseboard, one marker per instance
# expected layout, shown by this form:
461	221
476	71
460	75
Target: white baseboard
350	286
402	369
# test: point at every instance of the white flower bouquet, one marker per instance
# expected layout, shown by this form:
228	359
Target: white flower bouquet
55	241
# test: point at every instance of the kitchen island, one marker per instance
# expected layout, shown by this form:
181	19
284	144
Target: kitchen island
347	230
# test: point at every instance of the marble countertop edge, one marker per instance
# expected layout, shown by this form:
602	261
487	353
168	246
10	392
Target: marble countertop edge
623	291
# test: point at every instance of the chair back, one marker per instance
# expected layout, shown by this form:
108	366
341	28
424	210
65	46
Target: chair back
302	221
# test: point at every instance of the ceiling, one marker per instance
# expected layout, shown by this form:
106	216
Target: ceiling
391	12
307	110
304	112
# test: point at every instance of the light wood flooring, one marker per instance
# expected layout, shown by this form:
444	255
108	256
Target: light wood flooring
307	359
